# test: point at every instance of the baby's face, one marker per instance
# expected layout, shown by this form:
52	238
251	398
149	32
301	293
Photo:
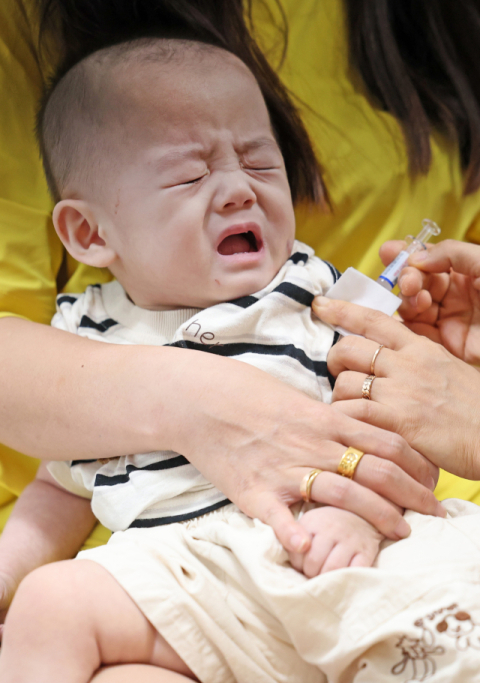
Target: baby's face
198	209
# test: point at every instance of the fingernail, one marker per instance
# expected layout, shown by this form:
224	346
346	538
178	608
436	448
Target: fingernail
431	483
413	301
418	256
322	301
402	530
299	543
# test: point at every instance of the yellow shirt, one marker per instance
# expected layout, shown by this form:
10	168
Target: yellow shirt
361	149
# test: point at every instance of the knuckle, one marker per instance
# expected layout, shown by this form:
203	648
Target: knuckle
367	411
340	309
448	245
339	491
386	518
386	473
373	317
341	385
397	446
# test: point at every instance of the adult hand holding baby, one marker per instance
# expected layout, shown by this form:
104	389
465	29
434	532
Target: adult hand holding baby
421	390
261	437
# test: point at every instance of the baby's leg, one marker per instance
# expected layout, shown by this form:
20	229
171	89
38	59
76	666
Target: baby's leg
140	673
68	619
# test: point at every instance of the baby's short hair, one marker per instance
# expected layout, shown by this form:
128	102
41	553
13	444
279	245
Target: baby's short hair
76	107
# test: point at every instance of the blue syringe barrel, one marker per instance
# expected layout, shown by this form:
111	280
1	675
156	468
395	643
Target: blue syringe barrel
389	277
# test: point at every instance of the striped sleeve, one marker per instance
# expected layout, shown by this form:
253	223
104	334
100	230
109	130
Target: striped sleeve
84	314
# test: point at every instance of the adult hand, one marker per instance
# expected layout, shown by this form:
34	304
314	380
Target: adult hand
262	444
441	295
421	391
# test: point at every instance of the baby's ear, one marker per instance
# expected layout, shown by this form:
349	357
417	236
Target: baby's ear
81	232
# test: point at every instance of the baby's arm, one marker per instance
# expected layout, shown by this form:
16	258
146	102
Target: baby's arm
339	539
47	524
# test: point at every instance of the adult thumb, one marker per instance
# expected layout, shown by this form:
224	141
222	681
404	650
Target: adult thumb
462	257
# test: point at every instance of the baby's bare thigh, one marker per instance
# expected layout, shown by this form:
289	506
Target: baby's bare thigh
123	633
140	673
102	610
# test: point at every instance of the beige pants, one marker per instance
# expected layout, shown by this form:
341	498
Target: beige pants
221	592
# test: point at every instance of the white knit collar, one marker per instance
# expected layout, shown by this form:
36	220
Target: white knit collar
145	322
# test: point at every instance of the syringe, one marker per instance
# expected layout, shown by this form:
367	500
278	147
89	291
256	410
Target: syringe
389	277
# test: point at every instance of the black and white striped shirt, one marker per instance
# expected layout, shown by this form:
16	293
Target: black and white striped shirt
273	329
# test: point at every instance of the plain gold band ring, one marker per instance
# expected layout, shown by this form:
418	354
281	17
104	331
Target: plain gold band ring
348	463
307	483
367	387
372	364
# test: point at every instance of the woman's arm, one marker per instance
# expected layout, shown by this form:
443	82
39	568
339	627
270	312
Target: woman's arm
421	391
251	435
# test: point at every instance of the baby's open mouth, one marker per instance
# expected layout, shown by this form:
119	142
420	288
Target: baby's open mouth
240	243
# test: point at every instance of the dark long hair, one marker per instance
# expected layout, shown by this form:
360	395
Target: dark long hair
417	58
84	26
420	61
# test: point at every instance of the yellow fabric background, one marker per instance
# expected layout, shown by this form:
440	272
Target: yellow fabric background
361	149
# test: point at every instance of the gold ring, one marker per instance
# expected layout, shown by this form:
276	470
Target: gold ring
348	463
372	364
307	483
367	387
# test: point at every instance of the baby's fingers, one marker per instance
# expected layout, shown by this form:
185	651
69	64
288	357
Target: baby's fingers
366	557
317	556
341	556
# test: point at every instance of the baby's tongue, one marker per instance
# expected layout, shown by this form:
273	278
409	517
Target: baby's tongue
234	244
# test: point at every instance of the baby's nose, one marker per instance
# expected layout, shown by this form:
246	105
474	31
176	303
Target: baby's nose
236	191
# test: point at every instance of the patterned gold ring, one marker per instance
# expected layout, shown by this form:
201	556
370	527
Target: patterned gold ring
367	387
372	364
307	483
348	463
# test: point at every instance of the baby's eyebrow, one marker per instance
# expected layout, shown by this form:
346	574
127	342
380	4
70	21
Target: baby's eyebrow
257	143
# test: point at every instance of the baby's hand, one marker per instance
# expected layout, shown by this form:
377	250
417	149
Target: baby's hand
339	539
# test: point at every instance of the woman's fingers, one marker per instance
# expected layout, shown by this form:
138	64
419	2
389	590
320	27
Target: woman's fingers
364	321
386	478
421	293
341	492
390	250
383	444
439	258
276	513
349	386
356	353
